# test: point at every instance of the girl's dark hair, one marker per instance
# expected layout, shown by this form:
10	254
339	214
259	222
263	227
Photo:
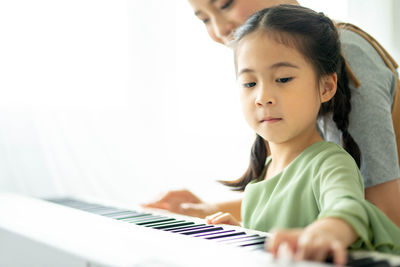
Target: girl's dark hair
315	36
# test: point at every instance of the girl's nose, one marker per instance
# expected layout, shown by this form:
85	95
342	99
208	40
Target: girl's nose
264	97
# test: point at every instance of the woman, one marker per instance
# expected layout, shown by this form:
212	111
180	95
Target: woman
372	99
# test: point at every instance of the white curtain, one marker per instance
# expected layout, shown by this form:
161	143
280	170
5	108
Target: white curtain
121	100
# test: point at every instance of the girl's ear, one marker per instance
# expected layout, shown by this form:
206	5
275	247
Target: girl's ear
328	87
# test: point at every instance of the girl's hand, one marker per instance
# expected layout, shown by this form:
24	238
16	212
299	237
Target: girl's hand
307	244
182	202
222	218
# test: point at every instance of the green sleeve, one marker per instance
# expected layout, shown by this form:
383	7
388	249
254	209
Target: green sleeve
339	192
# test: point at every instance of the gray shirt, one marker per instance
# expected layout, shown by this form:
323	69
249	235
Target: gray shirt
370	118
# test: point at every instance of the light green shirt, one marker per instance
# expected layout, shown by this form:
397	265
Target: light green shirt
323	181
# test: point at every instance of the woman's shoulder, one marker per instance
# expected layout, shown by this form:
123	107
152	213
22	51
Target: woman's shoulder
360	53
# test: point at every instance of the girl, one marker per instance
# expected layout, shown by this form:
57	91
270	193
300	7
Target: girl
291	72
372	99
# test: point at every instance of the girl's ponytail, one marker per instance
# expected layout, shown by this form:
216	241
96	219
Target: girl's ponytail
258	156
341	110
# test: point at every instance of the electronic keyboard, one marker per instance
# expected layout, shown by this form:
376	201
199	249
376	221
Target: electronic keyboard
85	232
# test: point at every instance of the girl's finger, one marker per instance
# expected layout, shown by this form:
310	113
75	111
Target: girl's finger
210	218
339	254
320	253
222	218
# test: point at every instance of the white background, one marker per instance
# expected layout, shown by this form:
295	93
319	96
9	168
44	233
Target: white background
121	100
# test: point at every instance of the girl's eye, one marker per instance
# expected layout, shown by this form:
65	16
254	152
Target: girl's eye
227	4
249	85
284	80
205	21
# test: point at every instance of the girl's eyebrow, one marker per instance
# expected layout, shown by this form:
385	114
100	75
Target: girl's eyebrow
273	66
283	64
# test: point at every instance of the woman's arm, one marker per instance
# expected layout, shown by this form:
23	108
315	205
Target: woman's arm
383	196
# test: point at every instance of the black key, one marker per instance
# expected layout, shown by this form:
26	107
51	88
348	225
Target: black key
216	233
227	235
367	261
183	227
252	244
152	222
174	222
192	228
174	226
248	241
202	231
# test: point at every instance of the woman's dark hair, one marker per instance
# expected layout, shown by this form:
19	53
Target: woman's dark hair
315	36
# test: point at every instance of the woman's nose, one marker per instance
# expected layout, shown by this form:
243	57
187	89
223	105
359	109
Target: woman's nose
223	29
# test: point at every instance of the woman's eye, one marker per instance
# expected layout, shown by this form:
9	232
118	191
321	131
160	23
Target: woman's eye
249	85
205	21
284	80
227	4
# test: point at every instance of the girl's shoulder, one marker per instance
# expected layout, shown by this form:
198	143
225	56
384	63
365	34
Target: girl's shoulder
326	154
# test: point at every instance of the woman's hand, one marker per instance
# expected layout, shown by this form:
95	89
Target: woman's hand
222	218
182	202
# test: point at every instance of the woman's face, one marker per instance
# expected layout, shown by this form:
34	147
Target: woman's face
221	17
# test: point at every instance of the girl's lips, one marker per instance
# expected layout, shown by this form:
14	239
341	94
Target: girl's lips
271	120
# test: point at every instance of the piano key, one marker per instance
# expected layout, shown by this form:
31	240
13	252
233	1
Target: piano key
252	244
107	212
144	218
123	215
246	241
99	210
260	247
173	225
202	231
238	238
380	263
227	235
220	232
183	227
362	262
152	222
174	222
136	216
118	213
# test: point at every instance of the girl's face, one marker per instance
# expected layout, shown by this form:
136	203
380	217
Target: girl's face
280	94
221	17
